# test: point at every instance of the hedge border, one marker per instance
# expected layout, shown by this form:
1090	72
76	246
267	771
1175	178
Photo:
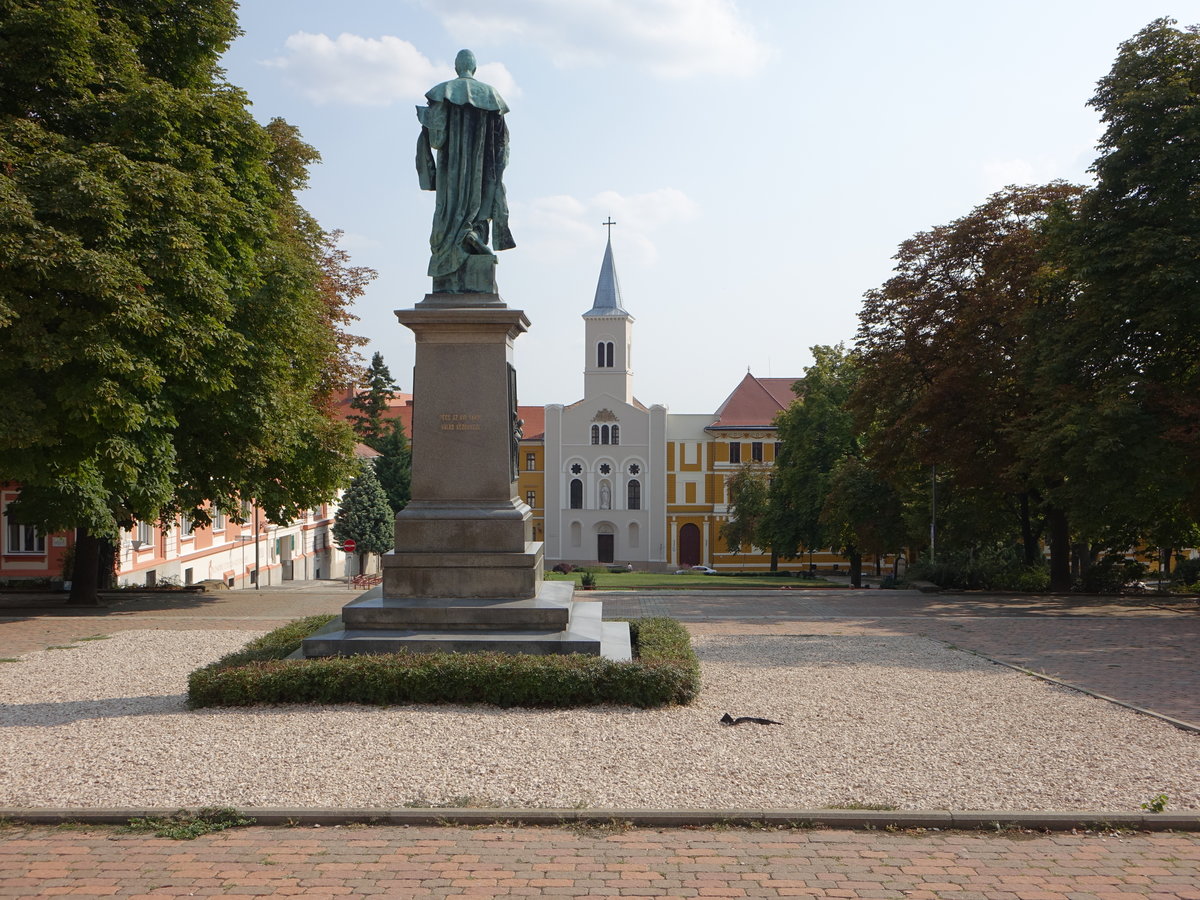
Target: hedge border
664	672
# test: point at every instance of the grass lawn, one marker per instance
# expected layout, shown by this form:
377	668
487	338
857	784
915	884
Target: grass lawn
615	581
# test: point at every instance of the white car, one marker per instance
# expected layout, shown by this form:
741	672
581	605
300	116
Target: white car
697	570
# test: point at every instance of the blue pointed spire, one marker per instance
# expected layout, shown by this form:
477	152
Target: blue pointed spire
608	289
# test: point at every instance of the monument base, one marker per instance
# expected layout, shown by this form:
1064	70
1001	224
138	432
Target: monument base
550	622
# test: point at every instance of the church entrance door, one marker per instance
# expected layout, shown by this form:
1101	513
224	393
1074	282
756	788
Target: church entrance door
604	547
689	546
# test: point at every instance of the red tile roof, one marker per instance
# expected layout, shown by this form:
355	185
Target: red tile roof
401	407
755	402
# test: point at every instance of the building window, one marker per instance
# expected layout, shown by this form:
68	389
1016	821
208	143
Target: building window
635	495
576	494
530	462
604	355
186	528
778	447
24	539
616	434
576	468
531	498
605	469
634	469
218	519
144	534
595	434
735	452
756	451
605	434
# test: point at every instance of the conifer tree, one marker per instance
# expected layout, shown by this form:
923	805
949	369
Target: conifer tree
365	517
372	403
394	465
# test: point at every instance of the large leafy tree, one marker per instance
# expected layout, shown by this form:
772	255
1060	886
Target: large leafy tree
826	492
749	502
1120	373
365	517
946	378
164	338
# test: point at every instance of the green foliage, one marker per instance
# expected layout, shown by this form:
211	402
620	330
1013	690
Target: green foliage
365	515
1156	804
393	466
1187	571
664	671
163	337
587	578
749	505
187	826
277	644
1111	574
371	404
992	568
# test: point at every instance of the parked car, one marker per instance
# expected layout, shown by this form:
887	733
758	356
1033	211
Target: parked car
697	570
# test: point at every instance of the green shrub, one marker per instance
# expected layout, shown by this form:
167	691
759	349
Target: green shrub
664	671
1187	571
1110	574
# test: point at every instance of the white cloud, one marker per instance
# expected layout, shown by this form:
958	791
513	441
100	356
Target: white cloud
558	225
370	71
671	38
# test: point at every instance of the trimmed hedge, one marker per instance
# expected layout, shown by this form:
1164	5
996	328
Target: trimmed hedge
664	671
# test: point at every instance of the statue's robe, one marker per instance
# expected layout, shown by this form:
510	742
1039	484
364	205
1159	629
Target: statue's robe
464	123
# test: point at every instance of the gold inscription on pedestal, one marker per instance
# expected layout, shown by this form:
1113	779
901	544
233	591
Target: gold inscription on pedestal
460	421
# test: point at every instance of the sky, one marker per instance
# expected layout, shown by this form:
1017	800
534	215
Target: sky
762	159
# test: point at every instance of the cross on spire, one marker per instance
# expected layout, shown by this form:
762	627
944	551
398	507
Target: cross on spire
609	224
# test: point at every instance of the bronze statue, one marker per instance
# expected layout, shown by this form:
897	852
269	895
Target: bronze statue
464	123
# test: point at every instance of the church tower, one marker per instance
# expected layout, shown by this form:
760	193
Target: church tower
608	331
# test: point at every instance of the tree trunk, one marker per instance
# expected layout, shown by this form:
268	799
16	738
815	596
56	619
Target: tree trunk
1060	550
1029	540
85	577
774	561
855	567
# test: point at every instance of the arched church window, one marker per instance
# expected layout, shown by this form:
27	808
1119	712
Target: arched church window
576	469
595	434
635	494
604	434
576	494
616	434
605	468
604	355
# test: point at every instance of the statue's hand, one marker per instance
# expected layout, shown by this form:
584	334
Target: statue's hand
473	244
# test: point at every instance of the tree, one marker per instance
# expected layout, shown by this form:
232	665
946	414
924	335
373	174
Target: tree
749	500
365	517
1120	376
393	466
825	492
946	375
163	336
372	403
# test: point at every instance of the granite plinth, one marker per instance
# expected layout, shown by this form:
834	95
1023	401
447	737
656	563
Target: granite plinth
433	526
474	575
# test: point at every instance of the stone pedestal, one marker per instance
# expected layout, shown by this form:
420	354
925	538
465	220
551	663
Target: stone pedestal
465	574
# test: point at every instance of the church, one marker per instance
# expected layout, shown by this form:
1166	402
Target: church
613	480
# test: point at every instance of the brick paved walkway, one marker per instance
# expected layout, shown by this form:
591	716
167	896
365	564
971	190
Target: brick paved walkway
549	862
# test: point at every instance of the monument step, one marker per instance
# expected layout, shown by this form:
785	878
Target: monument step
586	634
549	609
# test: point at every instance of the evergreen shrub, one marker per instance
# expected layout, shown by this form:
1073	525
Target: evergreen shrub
664	671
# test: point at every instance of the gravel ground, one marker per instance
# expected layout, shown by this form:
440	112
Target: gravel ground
899	721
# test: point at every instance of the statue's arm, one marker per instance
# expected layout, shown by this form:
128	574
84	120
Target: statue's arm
426	170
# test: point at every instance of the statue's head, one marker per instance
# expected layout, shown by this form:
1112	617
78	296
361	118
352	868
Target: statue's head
464	63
